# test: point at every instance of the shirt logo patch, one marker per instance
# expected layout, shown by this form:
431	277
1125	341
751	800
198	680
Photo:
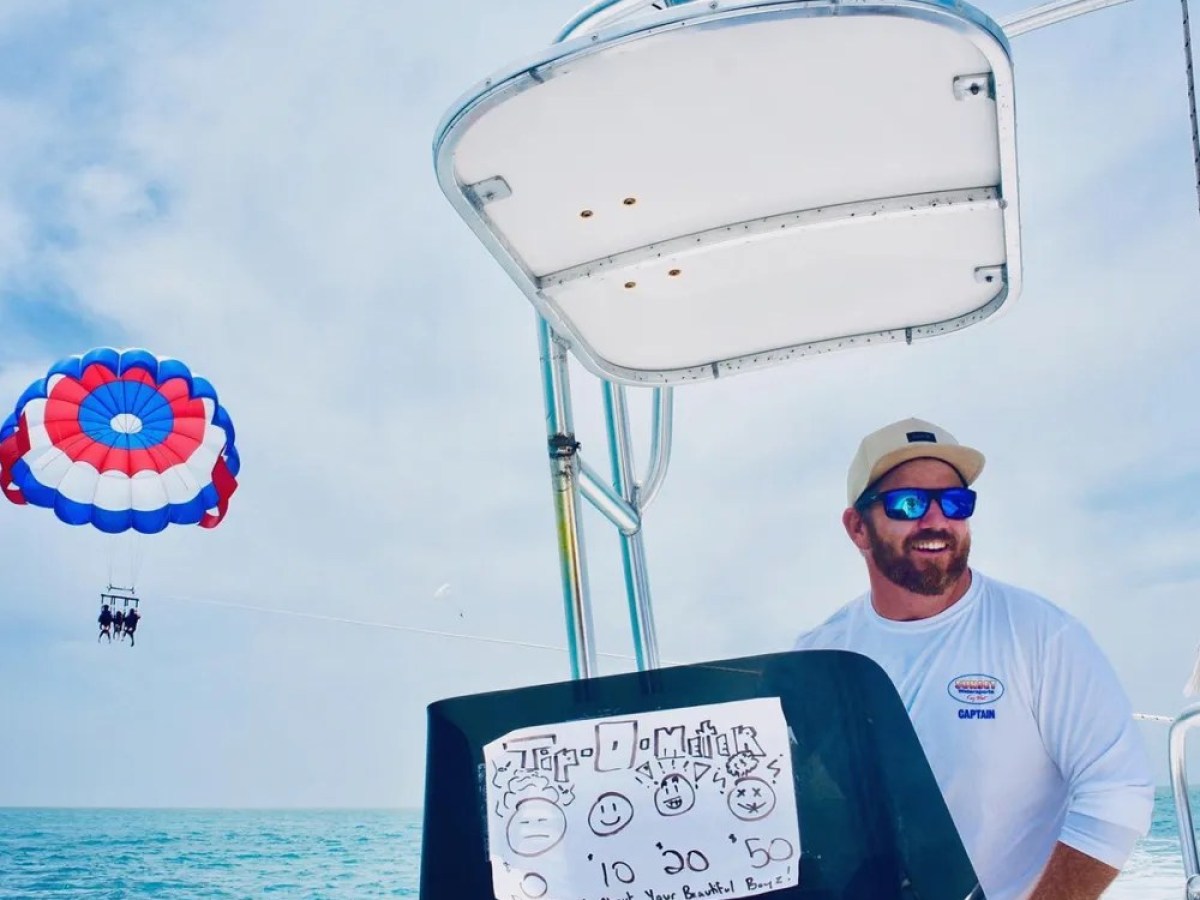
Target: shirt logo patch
975	689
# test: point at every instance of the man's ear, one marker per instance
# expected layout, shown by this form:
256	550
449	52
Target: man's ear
856	528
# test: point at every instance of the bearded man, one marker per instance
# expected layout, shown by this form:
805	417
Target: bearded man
1024	722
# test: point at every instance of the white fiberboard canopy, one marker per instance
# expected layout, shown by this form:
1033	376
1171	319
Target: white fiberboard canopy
713	187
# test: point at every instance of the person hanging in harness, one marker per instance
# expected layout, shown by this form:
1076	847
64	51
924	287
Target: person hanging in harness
131	621
106	620
119	623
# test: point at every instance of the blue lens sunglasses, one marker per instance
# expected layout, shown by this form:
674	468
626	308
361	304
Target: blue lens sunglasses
910	504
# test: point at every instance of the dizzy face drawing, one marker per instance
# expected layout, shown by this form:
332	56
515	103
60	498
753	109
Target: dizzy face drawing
536	826
675	795
610	813
751	799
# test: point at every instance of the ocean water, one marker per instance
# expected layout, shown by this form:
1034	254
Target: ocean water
122	854
1155	870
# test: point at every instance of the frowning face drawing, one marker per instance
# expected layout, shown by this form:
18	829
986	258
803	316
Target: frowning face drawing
536	825
675	795
610	813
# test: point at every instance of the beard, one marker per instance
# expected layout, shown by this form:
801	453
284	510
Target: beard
927	578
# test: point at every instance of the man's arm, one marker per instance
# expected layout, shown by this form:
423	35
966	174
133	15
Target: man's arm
1087	726
1072	875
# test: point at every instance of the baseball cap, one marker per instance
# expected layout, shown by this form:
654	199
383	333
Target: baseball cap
883	450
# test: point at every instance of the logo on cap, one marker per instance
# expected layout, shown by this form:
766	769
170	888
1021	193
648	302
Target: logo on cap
916	436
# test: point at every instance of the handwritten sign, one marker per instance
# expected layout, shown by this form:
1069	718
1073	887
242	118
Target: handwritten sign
674	804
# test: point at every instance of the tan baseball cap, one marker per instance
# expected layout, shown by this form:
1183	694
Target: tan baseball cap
883	450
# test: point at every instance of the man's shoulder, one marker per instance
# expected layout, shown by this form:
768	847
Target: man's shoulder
1027	610
832	631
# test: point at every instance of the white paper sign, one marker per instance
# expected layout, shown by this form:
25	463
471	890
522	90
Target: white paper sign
675	804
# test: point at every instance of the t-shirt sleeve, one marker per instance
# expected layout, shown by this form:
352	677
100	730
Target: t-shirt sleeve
1086	722
829	635
808	641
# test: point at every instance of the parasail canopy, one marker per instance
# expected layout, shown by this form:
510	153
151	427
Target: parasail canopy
121	440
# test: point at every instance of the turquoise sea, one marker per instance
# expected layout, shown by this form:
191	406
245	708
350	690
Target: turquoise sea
128	854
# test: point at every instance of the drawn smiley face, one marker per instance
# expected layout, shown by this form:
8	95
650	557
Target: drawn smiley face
610	813
675	795
751	799
536	826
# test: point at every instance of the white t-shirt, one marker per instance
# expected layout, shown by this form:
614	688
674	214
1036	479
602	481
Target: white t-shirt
1024	723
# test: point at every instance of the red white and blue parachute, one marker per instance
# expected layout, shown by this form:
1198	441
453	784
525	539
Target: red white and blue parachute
121	440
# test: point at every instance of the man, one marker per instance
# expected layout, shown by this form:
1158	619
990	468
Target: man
1026	727
105	620
131	623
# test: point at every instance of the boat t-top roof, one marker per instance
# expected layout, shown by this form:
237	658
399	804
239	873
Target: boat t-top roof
712	187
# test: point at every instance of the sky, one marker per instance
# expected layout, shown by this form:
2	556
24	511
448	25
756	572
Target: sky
248	186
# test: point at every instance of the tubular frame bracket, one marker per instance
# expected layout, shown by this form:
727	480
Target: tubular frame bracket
487	191
563	446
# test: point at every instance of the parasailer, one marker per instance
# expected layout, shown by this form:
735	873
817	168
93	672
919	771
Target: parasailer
122	441
131	621
106	623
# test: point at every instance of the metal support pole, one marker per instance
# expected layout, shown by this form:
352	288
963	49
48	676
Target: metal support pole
1191	86
612	506
1187	719
1052	13
564	474
660	448
633	551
